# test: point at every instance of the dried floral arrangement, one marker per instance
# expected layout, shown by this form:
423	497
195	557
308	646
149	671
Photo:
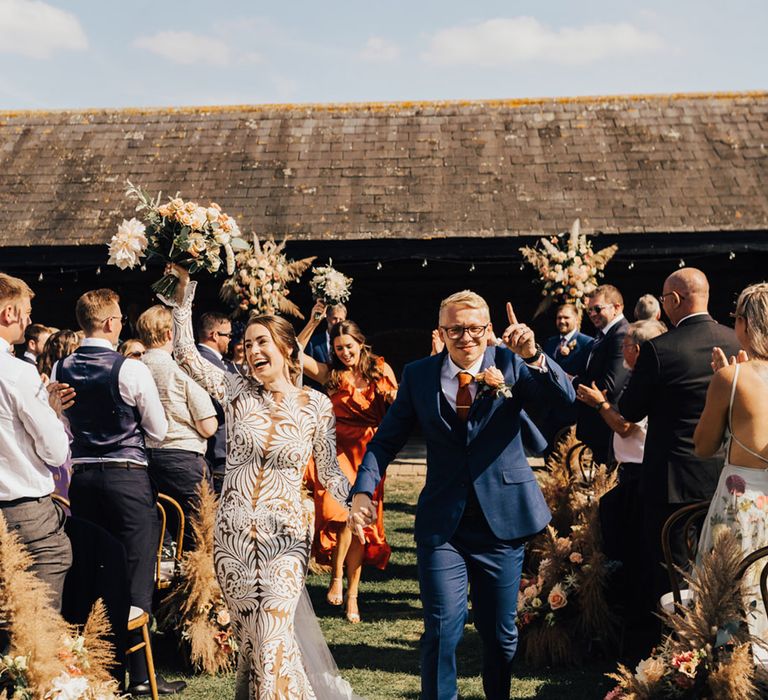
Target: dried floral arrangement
48	659
562	606
707	651
196	608
568	267
261	277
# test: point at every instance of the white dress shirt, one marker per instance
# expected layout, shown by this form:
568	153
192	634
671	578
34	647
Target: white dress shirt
30	356
449	379
685	318
137	388
31	434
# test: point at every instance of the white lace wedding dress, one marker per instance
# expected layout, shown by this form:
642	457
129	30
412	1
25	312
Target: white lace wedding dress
263	530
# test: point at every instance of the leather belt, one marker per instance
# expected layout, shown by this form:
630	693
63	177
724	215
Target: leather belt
25	499
101	466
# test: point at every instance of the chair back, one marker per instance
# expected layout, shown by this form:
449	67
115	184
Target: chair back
167	571
688	517
747	562
581	464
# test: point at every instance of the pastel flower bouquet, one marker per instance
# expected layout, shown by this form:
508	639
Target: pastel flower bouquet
182	232
329	285
568	268
261	277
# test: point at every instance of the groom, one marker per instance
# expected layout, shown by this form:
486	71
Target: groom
481	501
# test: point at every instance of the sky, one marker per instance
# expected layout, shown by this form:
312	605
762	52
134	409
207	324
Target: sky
74	54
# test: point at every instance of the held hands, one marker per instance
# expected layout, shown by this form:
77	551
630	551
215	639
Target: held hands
183	275
60	396
719	360
590	395
362	514
518	337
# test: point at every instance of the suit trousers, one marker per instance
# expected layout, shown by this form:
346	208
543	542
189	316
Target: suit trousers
39	525
124	503
491	568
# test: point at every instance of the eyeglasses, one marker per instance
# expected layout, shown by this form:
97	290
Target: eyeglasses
136	354
662	297
598	308
226	335
456	332
123	319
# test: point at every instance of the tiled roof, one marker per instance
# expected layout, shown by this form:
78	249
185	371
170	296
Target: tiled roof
669	163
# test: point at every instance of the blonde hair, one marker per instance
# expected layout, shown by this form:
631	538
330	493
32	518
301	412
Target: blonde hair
153	326
640	331
752	306
467	299
91	307
284	335
13	289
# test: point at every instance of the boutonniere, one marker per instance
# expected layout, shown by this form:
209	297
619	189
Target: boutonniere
492	382
566	349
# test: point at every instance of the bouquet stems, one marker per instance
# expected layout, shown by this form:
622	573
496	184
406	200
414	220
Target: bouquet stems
166	286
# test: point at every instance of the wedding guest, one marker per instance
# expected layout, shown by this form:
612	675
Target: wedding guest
177	462
604	366
31	436
481	501
262	535
117	409
318	346
647	308
132	348
570	347
620	510
736	411
669	386
361	386
59	345
35	336
214	331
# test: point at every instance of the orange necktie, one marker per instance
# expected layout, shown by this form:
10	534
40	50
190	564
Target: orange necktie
464	396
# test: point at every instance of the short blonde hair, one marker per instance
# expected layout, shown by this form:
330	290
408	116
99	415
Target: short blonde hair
13	289
467	299
91	306
153	326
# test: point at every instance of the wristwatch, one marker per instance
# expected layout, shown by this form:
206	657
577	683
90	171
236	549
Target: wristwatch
603	404
535	357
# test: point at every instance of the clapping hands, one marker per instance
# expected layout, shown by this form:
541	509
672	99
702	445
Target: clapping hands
60	396
719	359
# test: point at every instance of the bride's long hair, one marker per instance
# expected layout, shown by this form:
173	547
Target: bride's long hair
368	364
284	335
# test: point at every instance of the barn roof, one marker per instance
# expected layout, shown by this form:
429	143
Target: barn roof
624	164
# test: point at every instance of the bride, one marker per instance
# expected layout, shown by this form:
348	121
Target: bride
263	532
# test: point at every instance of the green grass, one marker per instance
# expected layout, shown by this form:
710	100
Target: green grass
380	656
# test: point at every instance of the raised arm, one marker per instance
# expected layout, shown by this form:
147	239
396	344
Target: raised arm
324	451
318	371
315	316
211	378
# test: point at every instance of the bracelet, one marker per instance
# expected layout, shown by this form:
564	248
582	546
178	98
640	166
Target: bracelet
535	357
603	404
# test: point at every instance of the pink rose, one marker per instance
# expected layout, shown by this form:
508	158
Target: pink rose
576	558
557	598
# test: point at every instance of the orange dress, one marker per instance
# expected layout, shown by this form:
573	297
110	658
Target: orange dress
358	415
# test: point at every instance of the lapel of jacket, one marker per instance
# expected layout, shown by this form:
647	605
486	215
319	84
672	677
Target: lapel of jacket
485	405
447	418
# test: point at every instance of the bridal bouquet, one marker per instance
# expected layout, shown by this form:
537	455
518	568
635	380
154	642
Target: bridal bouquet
261	278
182	232
329	285
568	268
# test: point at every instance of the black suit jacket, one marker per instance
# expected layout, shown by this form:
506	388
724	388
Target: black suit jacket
669	385
606	369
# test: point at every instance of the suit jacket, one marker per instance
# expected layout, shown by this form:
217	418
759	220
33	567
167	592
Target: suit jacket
317	348
216	454
669	385
575	362
605	367
487	454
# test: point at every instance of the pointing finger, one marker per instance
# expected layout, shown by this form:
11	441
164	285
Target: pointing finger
511	314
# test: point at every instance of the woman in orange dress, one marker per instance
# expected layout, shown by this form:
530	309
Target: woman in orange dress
361	387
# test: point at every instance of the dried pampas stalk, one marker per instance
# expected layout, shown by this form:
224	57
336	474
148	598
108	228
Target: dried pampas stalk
734	680
101	653
35	629
543	645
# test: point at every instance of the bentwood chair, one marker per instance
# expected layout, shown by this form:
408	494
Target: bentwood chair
138	619
167	571
688	518
581	464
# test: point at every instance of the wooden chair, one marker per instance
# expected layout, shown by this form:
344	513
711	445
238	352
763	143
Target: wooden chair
689	516
60	500
138	619
581	463
747	562
167	571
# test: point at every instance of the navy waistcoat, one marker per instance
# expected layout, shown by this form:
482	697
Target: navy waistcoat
102	424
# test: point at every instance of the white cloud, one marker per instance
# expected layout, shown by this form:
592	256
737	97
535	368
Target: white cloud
378	50
187	48
505	42
37	30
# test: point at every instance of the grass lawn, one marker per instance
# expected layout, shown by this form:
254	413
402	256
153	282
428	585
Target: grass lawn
380	656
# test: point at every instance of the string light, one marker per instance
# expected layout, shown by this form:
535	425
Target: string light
143	268
424	263
631	265
40	277
681	263
98	270
472	267
379	265
522	267
731	255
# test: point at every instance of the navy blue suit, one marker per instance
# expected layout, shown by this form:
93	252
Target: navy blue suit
478	506
317	348
575	362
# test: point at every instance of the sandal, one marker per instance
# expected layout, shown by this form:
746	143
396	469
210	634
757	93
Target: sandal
353	617
335	599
